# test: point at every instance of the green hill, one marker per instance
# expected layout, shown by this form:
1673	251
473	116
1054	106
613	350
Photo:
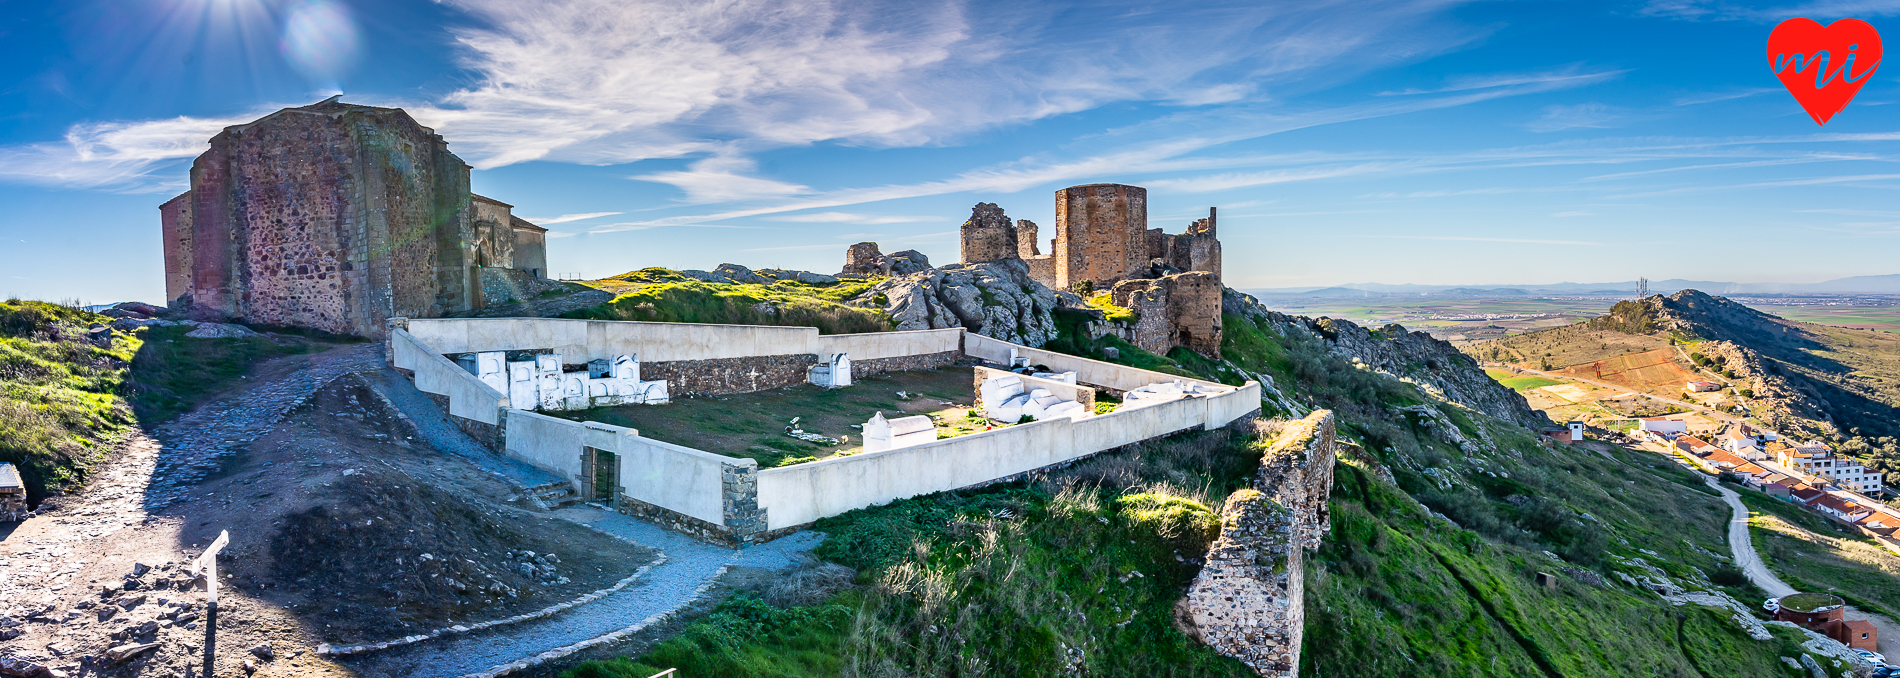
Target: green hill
1430	568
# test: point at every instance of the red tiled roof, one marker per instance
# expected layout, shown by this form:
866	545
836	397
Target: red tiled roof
1806	494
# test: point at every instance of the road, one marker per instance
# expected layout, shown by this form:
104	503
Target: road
1742	546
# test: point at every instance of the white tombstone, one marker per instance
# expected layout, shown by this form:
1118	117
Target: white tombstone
521	386
492	369
1067	408
626	367
1064	377
574	391
547	370
840	370
600	392
881	434
655	392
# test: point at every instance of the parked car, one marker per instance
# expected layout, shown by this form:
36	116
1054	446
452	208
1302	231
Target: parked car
1772	605
1875	657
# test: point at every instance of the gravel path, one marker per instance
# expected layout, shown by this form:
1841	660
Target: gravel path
689	569
197	443
434	426
690	566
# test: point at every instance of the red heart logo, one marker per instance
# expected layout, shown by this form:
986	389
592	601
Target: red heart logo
1824	66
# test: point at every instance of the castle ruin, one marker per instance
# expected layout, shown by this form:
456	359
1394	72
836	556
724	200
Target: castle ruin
1102	245
338	216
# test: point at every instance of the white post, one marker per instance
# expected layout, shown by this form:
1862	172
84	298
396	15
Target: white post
207	563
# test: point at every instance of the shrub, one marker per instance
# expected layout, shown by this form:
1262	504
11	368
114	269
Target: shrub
1182	524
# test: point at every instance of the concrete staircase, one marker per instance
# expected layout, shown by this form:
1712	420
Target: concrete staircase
555	495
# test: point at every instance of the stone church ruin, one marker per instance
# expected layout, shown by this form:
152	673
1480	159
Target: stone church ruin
339	216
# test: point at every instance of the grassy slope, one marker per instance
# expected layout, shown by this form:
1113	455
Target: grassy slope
992	579
64	401
661	295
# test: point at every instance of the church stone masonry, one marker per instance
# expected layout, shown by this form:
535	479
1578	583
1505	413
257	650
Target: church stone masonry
337	216
1102	244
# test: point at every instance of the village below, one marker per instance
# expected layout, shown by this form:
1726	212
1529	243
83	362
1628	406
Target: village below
366	434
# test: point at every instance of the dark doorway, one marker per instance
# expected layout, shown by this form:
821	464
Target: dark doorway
602	475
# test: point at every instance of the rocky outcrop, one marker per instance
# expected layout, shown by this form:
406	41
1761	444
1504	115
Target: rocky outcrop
1433	365
734	273
1248	602
995	299
863	260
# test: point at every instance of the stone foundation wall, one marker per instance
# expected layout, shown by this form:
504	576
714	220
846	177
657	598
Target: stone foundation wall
1175	310
506	285
908	363
730	375
1248	602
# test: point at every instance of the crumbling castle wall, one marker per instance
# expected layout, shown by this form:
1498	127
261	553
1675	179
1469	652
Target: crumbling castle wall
1248	602
1197	249
988	235
1183	309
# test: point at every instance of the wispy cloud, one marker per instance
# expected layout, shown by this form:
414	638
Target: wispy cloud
1574	116
719	179
851	218
544	221
1712	97
1478	239
1722	10
1785	183
115	155
1573	76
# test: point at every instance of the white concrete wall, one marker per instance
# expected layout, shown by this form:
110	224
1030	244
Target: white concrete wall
873	345
802	493
1118	377
680	479
550	444
469	398
676	478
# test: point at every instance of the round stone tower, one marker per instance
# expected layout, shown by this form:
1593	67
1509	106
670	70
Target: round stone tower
1101	234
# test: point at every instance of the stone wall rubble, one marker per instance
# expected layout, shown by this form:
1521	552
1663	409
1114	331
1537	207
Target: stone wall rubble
1248	600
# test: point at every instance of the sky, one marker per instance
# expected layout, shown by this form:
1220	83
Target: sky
1390	141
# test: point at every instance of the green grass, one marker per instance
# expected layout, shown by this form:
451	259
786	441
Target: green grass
1072	338
65	401
61	397
1105	303
1815	554
783	303
1522	384
1004	580
746	637
172	372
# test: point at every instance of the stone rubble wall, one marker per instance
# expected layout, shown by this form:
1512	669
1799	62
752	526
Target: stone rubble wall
988	235
1248	602
721	376
1183	309
506	285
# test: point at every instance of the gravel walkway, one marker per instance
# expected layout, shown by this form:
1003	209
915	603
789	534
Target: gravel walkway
689	569
690	566
444	435
198	443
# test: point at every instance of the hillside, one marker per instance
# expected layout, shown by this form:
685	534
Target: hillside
1801	378
1444	509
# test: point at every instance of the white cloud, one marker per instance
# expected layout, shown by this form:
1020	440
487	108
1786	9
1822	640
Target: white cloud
1719	10
118	155
544	221
1574	116
851	218
1572	76
718	179
1477	239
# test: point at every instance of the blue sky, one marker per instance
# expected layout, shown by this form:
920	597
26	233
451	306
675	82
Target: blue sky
1394	141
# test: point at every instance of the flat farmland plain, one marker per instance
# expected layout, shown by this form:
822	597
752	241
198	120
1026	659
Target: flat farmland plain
1882	318
1454	320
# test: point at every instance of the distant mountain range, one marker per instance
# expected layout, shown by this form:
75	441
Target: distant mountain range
1865	284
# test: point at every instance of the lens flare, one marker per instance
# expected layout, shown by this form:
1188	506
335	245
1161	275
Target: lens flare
320	40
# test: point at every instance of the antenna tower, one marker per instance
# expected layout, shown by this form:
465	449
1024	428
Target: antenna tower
1642	288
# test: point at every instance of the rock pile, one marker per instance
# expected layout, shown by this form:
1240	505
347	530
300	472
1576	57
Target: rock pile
734	273
995	299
